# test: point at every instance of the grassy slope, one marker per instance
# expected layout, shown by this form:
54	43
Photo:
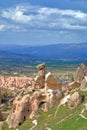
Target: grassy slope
72	120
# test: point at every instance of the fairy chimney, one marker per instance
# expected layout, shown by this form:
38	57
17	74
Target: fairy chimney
40	78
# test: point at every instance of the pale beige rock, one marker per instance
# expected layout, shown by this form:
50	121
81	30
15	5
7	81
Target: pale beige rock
23	108
51	82
39	82
84	84
41	66
1	125
47	128
85	77
80	73
74	100
9	82
40	78
20	112
52	97
34	102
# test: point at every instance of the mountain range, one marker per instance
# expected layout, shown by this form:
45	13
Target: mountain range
46	52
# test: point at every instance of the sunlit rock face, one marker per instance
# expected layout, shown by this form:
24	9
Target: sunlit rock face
23	108
51	98
20	111
80	73
74	100
40	78
51	82
27	106
15	82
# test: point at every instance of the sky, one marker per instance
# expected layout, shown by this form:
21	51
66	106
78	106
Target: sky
43	22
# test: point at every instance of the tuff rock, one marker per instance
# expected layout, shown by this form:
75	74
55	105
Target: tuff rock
74	100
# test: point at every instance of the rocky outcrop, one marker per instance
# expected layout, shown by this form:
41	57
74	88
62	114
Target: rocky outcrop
74	85
9	82
74	100
45	80
80	79
51	82
20	111
80	73
40	78
46	92
51	98
27	106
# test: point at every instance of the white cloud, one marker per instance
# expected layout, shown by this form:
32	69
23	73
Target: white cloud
16	14
2	27
46	18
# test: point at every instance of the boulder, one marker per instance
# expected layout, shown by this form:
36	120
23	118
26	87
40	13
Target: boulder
41	66
51	98
51	82
74	100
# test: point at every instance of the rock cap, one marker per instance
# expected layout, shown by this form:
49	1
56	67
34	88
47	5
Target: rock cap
41	66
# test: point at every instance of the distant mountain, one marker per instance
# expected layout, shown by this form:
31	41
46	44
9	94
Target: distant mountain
50	52
11	58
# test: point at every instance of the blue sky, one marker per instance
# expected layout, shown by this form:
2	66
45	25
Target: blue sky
40	22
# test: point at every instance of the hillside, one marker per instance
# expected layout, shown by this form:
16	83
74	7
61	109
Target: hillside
65	119
51	52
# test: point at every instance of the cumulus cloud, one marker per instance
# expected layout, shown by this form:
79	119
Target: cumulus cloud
16	14
46	18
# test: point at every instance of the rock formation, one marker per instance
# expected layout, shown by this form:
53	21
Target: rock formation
74	100
74	85
80	73
27	106
84	83
20	111
40	78
51	82
46	92
52	97
9	82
